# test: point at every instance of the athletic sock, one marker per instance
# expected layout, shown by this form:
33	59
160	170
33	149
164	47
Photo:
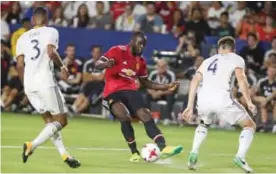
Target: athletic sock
57	140
155	134
128	133
200	134
245	141
46	133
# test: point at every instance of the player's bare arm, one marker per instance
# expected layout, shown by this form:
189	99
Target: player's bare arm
104	62
87	77
20	67
53	54
244	86
156	86
188	112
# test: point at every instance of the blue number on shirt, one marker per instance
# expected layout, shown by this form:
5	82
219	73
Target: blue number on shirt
35	42
213	66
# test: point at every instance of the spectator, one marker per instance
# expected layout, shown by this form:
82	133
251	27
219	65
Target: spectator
267	32
126	21
5	30
81	20
58	18
93	83
10	86
187	45
71	8
139	8
74	66
247	25
214	14
29	12
267	10
166	10
26	25
101	20
197	24
190	72
269	62
238	14
253	54
225	29
265	96
13	16
272	50
164	76
179	24
150	22
118	8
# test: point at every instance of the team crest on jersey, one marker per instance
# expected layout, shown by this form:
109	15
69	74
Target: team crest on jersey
128	72
73	70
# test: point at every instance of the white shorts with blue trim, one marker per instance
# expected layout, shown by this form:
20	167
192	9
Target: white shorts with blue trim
48	99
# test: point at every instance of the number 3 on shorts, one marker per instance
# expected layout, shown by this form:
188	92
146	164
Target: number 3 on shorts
213	66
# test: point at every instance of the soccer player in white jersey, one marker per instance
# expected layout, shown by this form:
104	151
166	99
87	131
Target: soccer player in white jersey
215	99
36	55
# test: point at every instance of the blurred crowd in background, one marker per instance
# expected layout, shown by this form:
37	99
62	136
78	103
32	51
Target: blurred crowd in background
188	22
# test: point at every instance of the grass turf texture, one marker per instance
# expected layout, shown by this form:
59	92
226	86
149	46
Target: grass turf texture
100	147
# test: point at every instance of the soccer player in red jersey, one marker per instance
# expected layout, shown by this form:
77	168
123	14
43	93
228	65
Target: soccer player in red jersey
124	65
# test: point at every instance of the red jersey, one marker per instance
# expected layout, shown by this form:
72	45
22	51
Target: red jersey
123	75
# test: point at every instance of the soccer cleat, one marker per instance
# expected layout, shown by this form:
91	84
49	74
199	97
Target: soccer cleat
242	164
135	157
169	151
71	162
27	151
192	161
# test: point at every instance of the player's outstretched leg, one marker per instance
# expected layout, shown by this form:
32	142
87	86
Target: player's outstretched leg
155	134
200	134
245	140
121	112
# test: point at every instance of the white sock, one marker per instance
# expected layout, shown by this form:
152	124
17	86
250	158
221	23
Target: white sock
46	133
245	141
74	108
57	140
200	135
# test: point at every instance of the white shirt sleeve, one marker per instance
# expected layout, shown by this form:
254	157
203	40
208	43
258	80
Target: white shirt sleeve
239	62
19	47
54	38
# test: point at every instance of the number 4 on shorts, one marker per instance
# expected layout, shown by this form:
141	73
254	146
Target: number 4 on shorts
213	66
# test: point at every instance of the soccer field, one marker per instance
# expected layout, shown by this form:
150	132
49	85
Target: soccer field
100	147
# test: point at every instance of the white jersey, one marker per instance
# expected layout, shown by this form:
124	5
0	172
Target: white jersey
217	72
38	71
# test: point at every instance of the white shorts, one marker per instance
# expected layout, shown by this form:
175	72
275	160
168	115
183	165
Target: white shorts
232	113
47	99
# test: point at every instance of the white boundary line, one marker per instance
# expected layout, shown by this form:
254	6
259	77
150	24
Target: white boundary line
113	149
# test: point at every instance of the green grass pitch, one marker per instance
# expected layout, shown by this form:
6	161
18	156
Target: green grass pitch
100	147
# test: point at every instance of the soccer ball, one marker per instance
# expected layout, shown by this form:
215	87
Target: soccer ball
150	152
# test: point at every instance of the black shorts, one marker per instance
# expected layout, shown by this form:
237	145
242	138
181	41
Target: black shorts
92	88
15	83
133	100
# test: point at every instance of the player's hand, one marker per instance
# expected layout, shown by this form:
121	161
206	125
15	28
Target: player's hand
110	63
252	108
173	86
64	74
188	113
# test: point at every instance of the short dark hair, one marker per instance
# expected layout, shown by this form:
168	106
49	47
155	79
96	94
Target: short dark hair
227	42
272	54
224	14
250	34
100	2
40	11
151	3
70	45
96	46
138	34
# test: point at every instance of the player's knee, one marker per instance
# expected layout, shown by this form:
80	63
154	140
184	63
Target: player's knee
14	92
202	123
144	115
249	123
62	119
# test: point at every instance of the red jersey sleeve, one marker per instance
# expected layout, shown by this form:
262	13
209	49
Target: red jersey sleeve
112	53
142	69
